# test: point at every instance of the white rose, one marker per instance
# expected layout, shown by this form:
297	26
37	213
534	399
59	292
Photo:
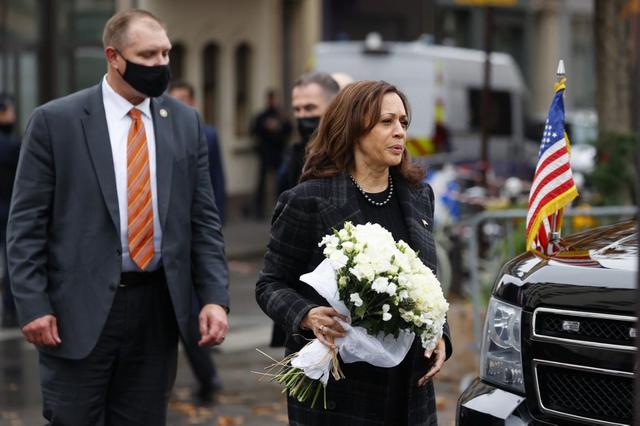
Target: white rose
348	246
329	241
386	316
380	285
367	271
356	273
391	289
403	262
426	319
361	258
407	316
428	341
338	259
328	251
403	279
355	298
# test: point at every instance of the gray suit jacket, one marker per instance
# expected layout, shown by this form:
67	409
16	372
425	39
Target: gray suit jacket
64	229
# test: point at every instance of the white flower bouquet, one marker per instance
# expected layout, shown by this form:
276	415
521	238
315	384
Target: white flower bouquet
387	292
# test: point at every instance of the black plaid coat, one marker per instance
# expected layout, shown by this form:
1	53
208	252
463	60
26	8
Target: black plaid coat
301	218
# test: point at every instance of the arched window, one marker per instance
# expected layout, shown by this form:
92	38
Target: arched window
243	88
210	79
176	61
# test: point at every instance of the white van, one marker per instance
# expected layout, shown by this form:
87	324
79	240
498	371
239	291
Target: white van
426	73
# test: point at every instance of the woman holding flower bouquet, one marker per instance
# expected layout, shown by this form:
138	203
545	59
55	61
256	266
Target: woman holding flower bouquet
357	171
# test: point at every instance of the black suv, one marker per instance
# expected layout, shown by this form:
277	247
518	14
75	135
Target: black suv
559	337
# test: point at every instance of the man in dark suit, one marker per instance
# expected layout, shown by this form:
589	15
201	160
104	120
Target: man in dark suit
112	224
310	97
185	92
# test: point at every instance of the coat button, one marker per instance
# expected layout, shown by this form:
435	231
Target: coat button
331	405
119	252
112	287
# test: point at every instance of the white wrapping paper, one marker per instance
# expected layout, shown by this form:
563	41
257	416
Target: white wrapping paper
315	358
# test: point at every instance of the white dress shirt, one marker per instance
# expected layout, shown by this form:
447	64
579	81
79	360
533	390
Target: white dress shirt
116	109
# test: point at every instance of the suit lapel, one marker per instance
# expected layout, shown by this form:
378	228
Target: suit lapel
416	208
344	203
96	134
163	130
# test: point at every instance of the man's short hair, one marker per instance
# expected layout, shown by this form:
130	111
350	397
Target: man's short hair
183	85
116	29
328	85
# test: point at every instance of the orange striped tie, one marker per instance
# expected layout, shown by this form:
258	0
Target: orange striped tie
139	207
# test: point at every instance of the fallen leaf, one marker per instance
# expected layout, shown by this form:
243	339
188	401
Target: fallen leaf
262	410
230	421
441	403
282	418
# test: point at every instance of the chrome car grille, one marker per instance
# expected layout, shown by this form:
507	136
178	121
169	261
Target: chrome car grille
583	393
585	328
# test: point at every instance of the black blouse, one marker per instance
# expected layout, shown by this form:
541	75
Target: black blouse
390	217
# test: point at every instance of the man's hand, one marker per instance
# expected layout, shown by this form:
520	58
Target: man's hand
213	325
42	331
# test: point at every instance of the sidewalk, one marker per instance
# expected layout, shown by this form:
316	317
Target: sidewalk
246	238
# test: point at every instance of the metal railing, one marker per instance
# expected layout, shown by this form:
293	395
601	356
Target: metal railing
507	217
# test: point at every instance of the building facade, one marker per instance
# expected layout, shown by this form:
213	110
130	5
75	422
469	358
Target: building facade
233	51
537	33
49	48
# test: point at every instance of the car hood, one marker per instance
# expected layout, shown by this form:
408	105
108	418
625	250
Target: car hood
596	262
610	247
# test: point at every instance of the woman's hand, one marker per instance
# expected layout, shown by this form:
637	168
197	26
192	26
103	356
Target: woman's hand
321	321
440	353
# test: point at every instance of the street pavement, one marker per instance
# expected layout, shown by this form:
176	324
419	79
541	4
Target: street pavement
246	398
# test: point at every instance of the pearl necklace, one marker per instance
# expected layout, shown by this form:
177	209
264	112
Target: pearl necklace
369	199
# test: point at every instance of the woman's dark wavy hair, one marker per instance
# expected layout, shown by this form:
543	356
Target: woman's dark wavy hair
351	115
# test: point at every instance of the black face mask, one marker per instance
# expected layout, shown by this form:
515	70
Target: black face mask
7	128
150	81
306	126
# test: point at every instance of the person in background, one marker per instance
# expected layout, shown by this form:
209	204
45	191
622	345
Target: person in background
199	357
9	151
271	129
111	227
357	169
311	95
184	92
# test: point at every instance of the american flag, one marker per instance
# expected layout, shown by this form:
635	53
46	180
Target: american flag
553	186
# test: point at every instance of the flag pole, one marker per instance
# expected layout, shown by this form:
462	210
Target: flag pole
555	233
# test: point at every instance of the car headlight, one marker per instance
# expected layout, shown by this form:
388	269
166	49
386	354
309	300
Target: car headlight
501	357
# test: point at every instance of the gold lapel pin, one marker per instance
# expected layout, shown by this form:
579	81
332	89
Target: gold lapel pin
163	113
